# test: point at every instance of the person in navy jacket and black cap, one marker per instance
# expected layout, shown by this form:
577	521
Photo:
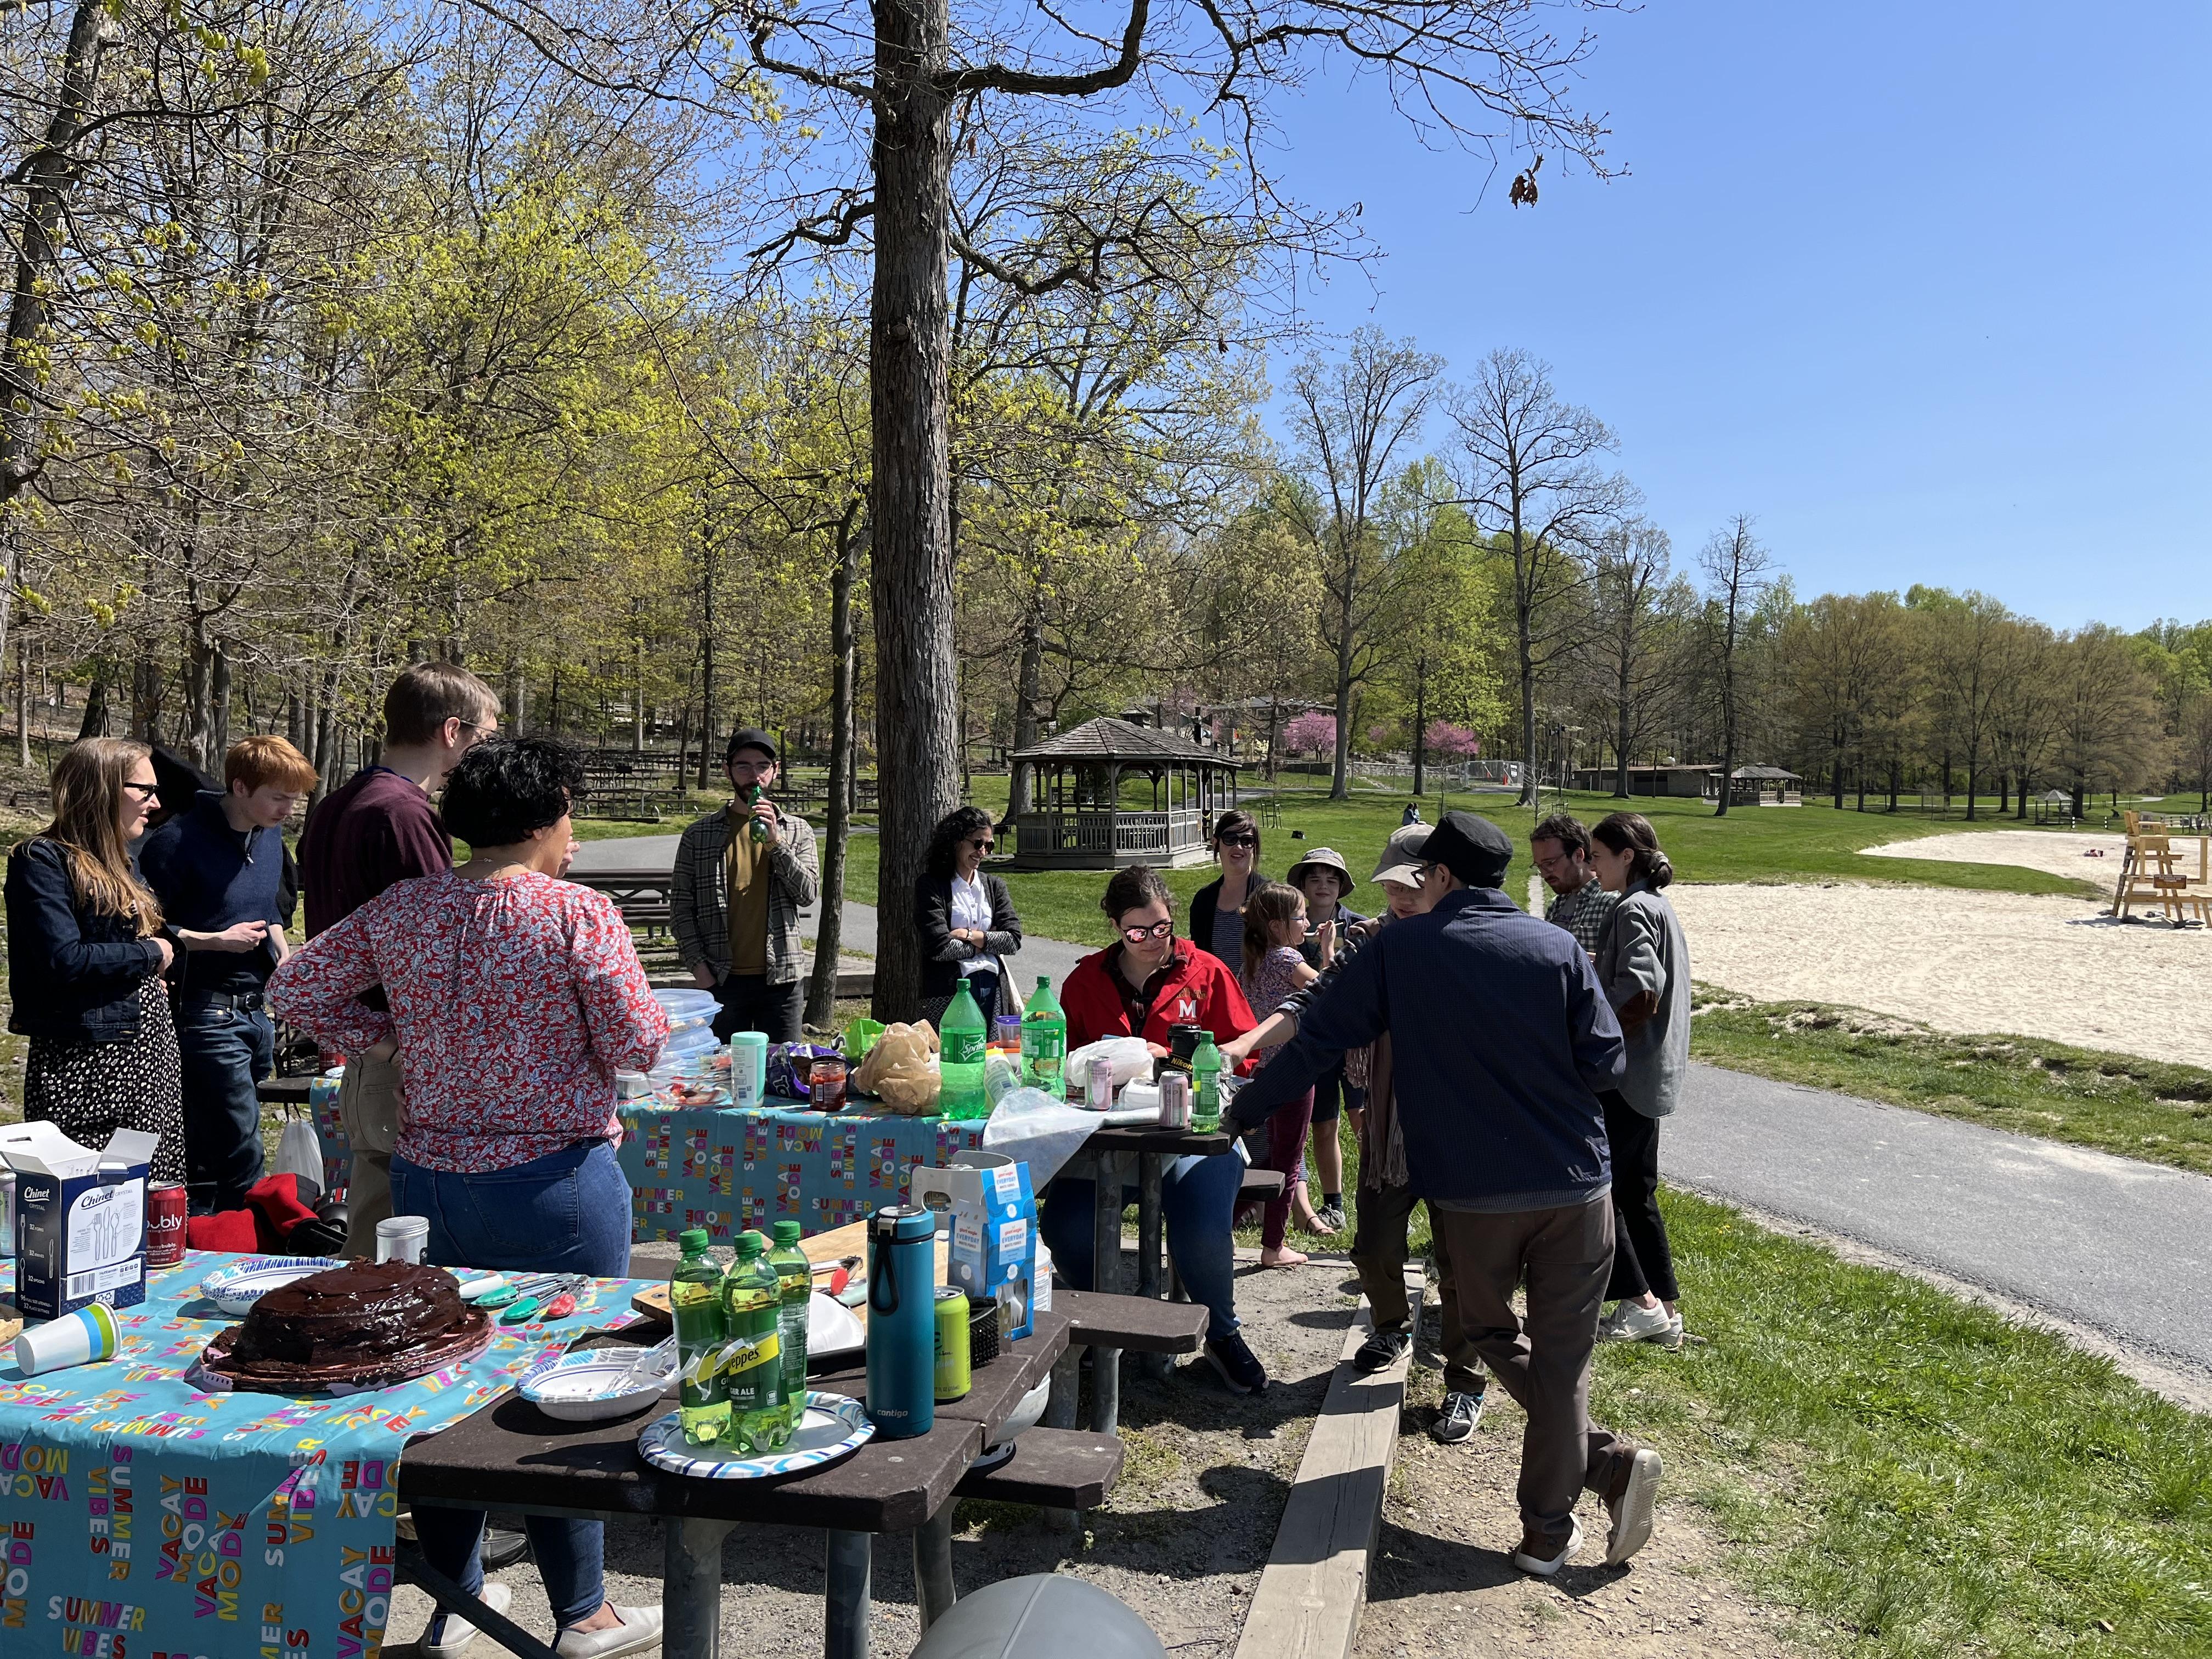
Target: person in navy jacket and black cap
1501	1039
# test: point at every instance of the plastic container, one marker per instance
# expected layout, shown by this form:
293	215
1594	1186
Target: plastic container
748	1069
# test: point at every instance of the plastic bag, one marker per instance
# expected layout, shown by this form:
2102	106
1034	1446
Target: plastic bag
899	1070
300	1153
1130	1057
1030	1126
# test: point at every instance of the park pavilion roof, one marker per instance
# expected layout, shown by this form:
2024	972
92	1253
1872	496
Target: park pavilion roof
1109	739
1766	773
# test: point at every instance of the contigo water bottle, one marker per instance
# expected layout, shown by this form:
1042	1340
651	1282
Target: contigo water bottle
902	1321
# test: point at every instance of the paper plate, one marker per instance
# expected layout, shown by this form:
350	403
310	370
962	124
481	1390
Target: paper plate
832	1328
236	1288
564	1388
834	1427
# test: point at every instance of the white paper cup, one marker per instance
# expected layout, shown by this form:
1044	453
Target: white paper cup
401	1238
76	1338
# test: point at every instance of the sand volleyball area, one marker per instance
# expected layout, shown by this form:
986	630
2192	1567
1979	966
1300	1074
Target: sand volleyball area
2031	965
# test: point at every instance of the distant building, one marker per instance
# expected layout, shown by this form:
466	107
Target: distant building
1688	781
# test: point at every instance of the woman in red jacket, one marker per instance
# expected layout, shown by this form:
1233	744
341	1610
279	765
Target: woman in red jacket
1139	986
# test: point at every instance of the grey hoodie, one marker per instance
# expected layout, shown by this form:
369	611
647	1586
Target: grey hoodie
1643	964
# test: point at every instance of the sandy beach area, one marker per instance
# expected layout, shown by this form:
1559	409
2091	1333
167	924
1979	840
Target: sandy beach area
2031	965
2051	851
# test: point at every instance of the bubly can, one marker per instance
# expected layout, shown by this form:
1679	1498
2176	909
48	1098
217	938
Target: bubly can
1174	1101
952	1378
165	1223
1098	1086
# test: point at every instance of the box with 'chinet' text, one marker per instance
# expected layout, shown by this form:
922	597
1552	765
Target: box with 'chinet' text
994	1217
80	1218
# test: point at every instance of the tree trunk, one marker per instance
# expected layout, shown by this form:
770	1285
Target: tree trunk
821	989
706	648
1620	703
23	700
95	723
1420	722
911	534
1727	724
218	706
1029	689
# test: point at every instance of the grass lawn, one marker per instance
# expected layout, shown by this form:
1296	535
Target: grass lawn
2142	1108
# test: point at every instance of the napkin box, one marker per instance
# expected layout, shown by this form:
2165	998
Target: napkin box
80	1218
994	1221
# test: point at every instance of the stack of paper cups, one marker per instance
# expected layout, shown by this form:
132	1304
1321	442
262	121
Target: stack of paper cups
401	1238
748	1067
77	1338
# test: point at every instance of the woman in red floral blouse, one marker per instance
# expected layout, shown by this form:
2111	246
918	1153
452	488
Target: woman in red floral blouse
514	996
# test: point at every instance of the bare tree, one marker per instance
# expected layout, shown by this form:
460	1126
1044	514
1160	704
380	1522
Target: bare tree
1352	420
1736	565
1637	607
1530	477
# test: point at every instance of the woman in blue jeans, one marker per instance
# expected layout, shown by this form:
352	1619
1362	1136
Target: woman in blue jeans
512	998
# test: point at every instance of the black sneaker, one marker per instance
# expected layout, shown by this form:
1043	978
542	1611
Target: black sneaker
1240	1369
1456	1421
503	1548
1384	1349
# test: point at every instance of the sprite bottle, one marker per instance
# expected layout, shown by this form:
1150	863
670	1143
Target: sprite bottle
1044	1041
1206	1067
695	1298
752	1357
962	1058
796	1275
759	828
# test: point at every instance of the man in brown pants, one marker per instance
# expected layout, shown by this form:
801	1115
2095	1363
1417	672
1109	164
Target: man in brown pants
1500	1039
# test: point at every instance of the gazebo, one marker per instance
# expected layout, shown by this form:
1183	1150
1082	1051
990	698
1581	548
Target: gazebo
1111	792
1749	785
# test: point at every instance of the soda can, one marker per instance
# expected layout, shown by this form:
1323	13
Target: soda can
1174	1101
165	1223
952	1377
7	1213
1098	1087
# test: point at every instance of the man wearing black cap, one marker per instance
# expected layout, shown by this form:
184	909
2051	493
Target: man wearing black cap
741	877
1500	1039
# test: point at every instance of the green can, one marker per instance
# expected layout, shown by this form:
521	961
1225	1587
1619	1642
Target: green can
952	1378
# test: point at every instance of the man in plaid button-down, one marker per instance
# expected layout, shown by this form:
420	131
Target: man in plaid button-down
734	900
1580	903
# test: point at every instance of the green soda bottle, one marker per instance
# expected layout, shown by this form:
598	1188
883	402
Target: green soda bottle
796	1274
1044	1041
752	799
752	1358
962	1059
694	1297
1206	1076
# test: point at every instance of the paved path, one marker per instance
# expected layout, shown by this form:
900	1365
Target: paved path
2122	1248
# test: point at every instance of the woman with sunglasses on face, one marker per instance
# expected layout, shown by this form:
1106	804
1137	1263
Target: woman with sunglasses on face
87	948
966	917
1139	986
1217	910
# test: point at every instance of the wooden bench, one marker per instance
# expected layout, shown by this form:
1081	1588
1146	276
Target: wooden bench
282	1091
1051	1469
1259	1185
1133	1324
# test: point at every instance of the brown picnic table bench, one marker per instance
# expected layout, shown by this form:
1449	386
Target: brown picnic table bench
509	1455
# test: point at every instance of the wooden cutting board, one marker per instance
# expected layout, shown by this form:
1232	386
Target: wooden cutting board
833	1246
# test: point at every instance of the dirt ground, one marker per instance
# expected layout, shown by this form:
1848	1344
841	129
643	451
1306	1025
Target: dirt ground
2025	964
1445	1584
1181	1540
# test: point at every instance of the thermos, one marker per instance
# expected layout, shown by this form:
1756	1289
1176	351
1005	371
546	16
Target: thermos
902	1321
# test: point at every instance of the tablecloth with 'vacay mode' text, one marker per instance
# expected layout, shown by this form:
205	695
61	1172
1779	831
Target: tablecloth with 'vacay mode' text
141	1517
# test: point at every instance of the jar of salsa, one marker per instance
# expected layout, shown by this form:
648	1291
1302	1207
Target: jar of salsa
825	1083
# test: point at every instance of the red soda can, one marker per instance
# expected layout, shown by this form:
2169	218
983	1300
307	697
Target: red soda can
165	1223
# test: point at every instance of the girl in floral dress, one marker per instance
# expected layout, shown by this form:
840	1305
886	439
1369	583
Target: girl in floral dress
1273	970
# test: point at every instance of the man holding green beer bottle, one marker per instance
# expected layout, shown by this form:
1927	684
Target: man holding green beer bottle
741	877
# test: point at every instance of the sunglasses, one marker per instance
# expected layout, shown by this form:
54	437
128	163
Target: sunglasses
1157	930
986	845
1237	840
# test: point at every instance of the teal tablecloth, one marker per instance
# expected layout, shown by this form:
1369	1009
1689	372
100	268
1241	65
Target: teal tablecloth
139	1517
727	1171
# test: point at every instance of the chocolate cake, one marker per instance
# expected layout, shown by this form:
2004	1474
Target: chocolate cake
360	1317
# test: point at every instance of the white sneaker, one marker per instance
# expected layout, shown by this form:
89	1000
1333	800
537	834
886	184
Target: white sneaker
1630	1505
1632	1321
639	1629
459	1631
1537	1565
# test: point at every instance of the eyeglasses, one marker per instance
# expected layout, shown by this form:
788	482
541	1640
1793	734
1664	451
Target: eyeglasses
1157	930
1238	839
1421	872
144	791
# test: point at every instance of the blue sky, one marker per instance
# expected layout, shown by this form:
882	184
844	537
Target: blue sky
1923	288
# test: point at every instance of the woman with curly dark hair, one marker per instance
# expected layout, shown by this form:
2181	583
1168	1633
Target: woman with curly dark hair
966	917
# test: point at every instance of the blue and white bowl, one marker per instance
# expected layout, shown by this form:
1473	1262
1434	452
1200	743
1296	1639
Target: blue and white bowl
235	1289
834	1427
593	1386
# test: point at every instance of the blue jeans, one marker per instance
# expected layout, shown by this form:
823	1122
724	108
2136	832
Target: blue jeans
568	1211
224	1052
1198	1195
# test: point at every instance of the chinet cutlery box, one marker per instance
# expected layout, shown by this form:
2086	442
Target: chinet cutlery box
994	1225
80	1218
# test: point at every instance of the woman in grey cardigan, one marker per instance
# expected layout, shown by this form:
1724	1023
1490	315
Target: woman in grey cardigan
1643	964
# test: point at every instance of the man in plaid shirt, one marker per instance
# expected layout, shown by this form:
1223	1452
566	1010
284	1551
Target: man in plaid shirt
734	900
1580	903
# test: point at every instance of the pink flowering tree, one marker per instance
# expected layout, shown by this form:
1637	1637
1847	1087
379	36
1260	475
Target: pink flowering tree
1447	742
1310	733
